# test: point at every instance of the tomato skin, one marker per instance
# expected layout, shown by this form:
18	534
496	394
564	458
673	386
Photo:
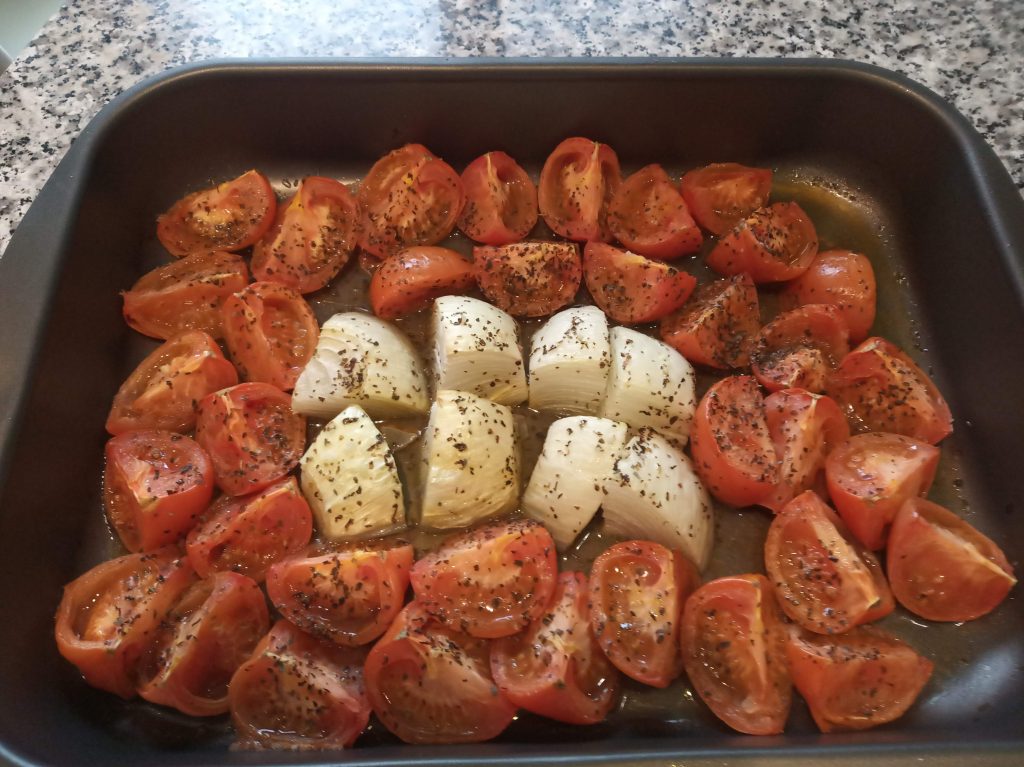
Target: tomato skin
941	567
556	668
843	279
870	476
800	348
412	278
649	216
298	692
529	279
271	333
637	592
230	216
577	183
856	680
772	244
185	295
733	644
501	200
632	289
252	436
513	565
721	195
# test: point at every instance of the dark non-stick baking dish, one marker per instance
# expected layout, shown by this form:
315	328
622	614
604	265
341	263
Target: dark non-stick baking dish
942	221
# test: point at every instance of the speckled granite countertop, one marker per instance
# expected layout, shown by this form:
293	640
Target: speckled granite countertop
969	51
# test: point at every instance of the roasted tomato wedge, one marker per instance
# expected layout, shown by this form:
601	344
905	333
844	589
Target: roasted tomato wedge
250	533
722	194
489	582
202	642
409	197
577	184
555	668
941	567
108	617
733	644
270	332
155	486
299	692
229	216
252	436
857	680
637	591
312	238
349	596
870	476
882	389
732	449
409	280
800	348
716	327
632	289
529	279
649	216
843	279
771	245
185	295
826	582
431	684
501	200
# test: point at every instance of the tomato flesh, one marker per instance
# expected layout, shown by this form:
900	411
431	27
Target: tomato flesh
529	279
840	278
632	289
721	195
409	280
800	348
649	216
577	184
501	200
772	244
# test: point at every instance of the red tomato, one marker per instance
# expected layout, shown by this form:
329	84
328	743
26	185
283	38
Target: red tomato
733	644
270	332
637	591
501	200
299	692
732	449
108	617
349	596
870	476
409	197
161	393
799	348
941	567
843	279
489	582
251	434
409	280
250	533
649	216
577	184
882	389
825	581
203	641
632	289
312	238
185	295
804	428
529	279
155	486
858	680
229	216
721	195
432	684
555	668
716	327
771	244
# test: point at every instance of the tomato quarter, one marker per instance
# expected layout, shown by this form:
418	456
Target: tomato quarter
771	244
577	184
632	289
800	348
410	279
501	200
529	279
843	279
721	195
649	216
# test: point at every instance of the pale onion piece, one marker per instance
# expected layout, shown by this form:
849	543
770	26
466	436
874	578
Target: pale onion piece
655	495
570	358
471	462
362	360
567	485
650	384
350	479
476	349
